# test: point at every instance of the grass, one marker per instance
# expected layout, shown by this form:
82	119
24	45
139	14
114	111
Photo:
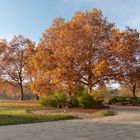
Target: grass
20	104
16	113
24	118
105	113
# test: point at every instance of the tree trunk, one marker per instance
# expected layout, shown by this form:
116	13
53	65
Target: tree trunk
21	92
89	89
70	88
134	91
70	93
36	97
134	94
89	84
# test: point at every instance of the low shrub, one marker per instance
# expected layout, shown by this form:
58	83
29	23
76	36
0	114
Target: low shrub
86	101
58	100
99	102
99	99
124	100
138	101
74	101
114	100
118	100
43	101
105	113
82	100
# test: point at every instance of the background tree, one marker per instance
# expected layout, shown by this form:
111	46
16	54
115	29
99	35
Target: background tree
125	50
12	62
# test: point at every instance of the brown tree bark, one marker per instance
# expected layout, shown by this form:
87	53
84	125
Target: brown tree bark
36	97
21	92
134	91
90	84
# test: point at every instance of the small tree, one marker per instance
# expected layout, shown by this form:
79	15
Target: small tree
125	58
12	62
132	81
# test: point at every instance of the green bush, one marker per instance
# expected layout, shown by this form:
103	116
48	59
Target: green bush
124	100
138	101
58	100
99	102
43	101
105	113
48	101
86	101
119	100
114	100
74	101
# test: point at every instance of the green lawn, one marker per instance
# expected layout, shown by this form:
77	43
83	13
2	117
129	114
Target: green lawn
105	113
19	115
18	112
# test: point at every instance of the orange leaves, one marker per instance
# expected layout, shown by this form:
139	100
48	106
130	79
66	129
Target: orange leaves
87	49
100	68
73	48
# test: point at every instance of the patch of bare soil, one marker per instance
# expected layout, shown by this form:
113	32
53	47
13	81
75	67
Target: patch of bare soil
81	113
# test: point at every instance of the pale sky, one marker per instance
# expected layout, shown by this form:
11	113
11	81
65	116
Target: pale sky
31	17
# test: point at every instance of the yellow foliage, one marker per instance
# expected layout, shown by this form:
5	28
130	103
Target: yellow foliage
100	67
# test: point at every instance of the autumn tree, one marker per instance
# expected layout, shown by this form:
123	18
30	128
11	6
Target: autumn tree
76	50
53	61
61	41
86	50
12	62
30	53
124	59
92	31
36	68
